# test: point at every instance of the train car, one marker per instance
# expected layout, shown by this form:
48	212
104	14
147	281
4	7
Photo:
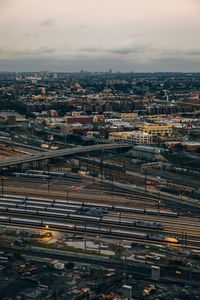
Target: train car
52	224
38	203
41	172
34	207
39	199
29	175
104	207
129	209
7	204
169	213
68	202
146	224
93	229
4	219
172	240
116	221
39	176
67	206
12	201
60	210
3	208
15	197
163	238
52	214
26	221
161	212
84	218
91	211
129	234
22	210
54	174
73	176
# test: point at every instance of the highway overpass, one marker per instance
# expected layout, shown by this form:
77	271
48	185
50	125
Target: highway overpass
62	153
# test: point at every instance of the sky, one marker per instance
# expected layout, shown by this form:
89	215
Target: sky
98	35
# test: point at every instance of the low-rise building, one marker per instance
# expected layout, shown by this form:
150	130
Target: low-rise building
147	153
79	119
128	117
157	129
99	119
137	137
76	113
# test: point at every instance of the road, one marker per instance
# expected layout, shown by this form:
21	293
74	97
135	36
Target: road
60	153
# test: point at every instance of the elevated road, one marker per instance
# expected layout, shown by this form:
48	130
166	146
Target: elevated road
60	153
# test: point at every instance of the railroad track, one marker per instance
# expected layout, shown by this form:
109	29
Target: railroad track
176	226
93	196
193	237
159	244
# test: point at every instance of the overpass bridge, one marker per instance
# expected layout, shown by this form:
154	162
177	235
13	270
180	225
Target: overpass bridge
62	153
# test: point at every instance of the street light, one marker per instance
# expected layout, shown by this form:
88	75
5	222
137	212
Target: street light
159	207
31	127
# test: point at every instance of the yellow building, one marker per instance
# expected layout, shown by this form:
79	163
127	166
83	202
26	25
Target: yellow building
157	129
137	137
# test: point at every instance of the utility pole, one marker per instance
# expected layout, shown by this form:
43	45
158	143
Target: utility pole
159	203
67	196
185	240
190	272
2	186
125	264
48	180
85	242
101	167
112	185
100	227
119	214
145	182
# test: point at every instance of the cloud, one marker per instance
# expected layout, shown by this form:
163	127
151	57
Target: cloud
126	50
4	3
100	64
193	52
187	53
91	49
83	26
48	22
130	50
17	53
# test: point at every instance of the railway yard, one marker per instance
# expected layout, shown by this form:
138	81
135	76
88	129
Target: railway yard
77	204
56	220
149	224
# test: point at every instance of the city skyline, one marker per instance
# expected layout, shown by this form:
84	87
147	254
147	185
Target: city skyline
94	35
